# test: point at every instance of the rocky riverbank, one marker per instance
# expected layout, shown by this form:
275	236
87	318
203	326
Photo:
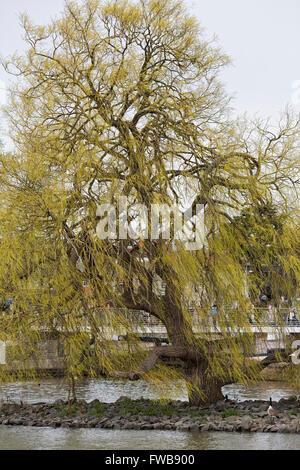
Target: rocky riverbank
247	416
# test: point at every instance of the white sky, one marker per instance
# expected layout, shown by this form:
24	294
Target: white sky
261	36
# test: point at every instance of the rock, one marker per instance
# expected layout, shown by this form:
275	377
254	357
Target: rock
146	426
59	403
109	425
283	429
15	421
233	420
183	427
185	419
166	422
136	426
157	425
194	427
103	420
205	427
167	427
31	423
262	414
93	422
227	428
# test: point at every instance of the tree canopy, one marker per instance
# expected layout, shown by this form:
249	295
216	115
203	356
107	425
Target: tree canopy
124	99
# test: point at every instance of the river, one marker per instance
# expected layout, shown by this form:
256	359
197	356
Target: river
48	390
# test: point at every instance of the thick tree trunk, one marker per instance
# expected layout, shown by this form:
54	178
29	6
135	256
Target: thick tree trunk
203	389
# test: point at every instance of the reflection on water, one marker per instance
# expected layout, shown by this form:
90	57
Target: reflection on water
48	390
18	438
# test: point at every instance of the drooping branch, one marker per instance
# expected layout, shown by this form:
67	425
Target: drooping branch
156	354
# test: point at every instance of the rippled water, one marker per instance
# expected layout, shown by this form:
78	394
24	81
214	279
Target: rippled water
17	437
49	390
23	438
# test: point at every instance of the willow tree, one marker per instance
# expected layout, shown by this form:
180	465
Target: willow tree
123	99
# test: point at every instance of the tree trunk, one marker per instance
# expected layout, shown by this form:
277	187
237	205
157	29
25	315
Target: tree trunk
203	389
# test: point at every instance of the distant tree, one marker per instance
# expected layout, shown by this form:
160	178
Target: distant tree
123	99
261	231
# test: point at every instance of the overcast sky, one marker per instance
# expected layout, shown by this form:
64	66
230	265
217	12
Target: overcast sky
261	36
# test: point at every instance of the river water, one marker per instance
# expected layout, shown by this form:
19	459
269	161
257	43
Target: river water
48	390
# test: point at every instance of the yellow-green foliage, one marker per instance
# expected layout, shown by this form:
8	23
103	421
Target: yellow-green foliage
123	98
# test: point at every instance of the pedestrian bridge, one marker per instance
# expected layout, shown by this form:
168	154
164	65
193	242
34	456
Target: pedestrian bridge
266	339
270	330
